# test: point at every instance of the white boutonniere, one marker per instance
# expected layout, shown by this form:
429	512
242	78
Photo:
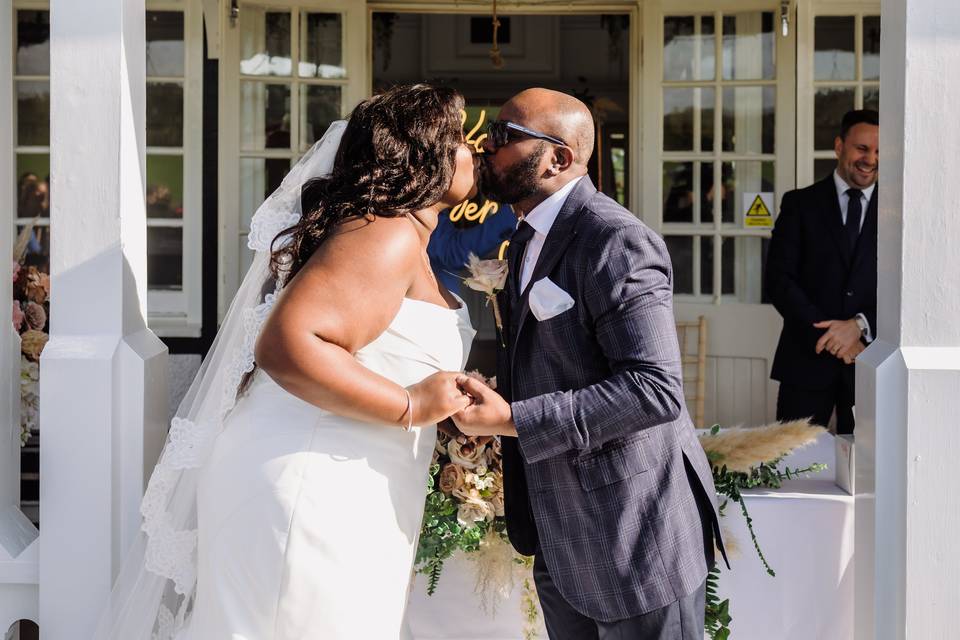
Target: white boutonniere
488	277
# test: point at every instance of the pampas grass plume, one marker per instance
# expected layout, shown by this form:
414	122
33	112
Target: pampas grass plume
741	449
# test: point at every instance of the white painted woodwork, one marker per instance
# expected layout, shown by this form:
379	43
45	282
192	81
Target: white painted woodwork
908	381
103	373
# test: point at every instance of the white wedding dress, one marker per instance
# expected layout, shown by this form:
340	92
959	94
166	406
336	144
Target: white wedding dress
308	521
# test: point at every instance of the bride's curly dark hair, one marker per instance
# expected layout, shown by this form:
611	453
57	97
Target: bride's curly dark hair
397	155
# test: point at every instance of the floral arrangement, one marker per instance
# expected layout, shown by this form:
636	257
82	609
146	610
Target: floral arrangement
464	508
465	498
31	305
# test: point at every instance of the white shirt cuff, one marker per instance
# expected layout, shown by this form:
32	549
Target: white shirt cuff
868	336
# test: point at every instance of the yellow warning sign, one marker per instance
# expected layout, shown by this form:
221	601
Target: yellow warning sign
757	213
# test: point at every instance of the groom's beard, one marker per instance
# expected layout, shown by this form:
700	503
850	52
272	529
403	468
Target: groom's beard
519	181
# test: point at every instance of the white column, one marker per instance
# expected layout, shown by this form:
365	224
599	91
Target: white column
908	383
103	374
18	546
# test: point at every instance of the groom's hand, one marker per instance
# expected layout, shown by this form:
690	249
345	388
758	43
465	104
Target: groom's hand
488	415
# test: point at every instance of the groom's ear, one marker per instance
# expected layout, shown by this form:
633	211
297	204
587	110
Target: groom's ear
561	160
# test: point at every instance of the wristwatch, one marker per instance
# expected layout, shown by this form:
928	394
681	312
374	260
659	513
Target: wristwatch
862	323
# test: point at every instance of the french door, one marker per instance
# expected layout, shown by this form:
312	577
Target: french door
287	70
719	151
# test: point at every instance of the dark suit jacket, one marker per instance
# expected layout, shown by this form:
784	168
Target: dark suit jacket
603	477
812	275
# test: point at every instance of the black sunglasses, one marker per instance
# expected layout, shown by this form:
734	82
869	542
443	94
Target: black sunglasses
499	132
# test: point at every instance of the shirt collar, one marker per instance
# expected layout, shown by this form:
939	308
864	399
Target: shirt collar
542	216
842	186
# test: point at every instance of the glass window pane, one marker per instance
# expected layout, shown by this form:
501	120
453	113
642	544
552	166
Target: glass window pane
320	106
33	43
829	105
740	177
706	188
823	167
33	113
708	48
871	47
321	55
165	43
678	192
264	115
748	119
259	177
678	48
728	261
707	109
164	114
728	264
164	186
681	255
37	250
33	186
833	48
687	56
165	258
871	98
747	284
706	265
678	119
264	42
748	46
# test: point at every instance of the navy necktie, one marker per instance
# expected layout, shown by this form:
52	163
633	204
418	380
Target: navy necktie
518	243
854	213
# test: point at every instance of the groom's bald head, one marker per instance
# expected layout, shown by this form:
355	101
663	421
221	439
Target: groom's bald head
557	114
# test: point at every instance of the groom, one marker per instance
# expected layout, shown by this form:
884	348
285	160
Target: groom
605	482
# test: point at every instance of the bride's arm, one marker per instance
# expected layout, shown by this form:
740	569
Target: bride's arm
341	300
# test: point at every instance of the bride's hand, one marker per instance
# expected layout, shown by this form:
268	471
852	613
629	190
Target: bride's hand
437	397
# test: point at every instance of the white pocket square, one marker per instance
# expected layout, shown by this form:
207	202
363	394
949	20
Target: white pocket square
548	300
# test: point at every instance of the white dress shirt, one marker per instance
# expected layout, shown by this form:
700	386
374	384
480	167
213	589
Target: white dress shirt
541	218
844	199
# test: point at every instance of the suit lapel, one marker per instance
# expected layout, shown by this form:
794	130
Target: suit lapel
832	218
558	239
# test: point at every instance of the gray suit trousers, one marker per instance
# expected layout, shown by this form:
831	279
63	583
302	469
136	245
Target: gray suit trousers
680	620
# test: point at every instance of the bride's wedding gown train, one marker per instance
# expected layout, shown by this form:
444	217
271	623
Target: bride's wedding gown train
308	521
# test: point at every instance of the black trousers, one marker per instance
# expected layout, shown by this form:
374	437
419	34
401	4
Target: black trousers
795	403
680	620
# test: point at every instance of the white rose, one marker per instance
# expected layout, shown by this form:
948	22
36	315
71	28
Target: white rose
486	276
475	511
466	452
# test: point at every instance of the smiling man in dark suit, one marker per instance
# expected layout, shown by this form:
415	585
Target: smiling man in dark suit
822	278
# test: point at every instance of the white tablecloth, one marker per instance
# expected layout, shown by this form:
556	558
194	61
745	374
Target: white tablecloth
805	530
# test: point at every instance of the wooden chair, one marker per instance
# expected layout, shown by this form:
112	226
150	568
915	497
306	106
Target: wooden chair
692	337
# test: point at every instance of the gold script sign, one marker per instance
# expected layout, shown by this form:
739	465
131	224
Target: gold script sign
471	211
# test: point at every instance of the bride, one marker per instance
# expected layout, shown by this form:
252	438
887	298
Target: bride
288	499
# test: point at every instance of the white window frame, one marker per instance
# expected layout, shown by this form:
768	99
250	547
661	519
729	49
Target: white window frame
179	313
170	313
17	149
807	12
654	155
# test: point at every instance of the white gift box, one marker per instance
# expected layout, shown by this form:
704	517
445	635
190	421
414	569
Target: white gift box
844	462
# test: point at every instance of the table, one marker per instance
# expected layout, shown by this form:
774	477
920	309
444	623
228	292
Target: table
805	530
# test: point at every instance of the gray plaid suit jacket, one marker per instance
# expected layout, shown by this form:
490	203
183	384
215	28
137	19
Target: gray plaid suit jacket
603	476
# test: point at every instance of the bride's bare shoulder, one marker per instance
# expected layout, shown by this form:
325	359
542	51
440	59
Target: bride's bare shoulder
389	240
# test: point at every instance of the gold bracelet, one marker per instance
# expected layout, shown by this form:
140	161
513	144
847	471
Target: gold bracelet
409	411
